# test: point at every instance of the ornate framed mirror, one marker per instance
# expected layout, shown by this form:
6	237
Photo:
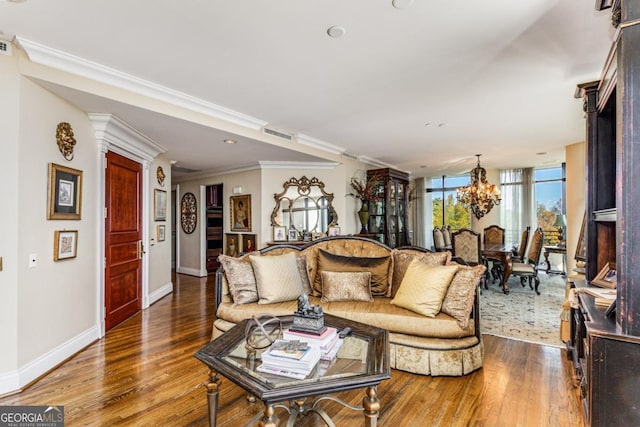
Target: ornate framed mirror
305	206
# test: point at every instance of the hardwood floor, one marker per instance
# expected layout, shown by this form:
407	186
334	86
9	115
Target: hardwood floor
143	373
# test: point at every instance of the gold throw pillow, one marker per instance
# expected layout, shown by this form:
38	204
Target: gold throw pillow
423	287
377	266
458	302
277	278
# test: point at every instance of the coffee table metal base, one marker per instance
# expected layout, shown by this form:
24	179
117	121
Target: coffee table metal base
296	408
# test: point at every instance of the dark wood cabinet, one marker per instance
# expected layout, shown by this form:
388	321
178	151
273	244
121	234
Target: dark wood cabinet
388	213
606	350
605	363
214	226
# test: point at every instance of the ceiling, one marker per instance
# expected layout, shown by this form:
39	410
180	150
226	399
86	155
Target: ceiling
423	87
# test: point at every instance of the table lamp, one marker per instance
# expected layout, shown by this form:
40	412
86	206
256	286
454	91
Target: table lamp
560	223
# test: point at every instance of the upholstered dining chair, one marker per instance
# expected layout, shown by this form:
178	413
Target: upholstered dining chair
494	234
519	251
446	234
438	240
528	268
466	246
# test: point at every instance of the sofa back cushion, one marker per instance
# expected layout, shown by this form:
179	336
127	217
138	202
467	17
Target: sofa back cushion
403	257
379	268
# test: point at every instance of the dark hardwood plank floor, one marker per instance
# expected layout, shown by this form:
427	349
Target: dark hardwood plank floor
143	373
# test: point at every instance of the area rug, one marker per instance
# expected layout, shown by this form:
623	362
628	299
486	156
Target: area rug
522	314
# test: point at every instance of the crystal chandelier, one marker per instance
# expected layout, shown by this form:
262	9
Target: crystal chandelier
480	196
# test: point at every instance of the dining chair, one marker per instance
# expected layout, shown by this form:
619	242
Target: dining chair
466	246
528	268
446	234
519	251
494	234
438	240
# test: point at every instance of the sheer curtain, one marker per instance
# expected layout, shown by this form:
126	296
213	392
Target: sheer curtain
418	205
517	209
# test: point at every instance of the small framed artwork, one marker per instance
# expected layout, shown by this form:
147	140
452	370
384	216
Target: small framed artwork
241	213
160	205
333	231
279	234
65	244
293	235
161	233
232	246
65	192
248	243
606	278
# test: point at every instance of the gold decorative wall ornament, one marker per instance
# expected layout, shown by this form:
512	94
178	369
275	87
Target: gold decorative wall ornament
160	175
65	139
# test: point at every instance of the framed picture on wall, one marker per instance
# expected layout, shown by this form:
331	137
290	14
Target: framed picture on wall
232	245
65	192
606	278
65	244
160	205
248	243
241	213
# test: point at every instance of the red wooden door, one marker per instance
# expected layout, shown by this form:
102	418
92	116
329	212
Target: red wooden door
123	234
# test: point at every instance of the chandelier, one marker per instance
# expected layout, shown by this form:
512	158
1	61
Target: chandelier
480	196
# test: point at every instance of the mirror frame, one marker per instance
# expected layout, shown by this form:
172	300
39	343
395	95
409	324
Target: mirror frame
304	186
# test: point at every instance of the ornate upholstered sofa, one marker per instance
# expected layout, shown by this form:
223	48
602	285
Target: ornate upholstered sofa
435	343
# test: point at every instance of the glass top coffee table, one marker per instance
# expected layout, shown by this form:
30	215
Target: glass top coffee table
362	362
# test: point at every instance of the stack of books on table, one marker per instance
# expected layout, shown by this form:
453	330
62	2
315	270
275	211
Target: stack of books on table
328	342
290	358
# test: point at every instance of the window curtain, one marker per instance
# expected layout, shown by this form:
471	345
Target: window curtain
517	210
419	211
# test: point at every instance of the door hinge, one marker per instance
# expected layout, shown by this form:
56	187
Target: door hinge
105	212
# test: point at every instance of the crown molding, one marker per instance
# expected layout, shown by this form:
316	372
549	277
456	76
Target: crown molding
375	162
114	131
63	61
319	144
270	164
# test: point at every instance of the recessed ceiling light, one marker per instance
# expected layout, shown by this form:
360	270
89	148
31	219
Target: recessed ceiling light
427	124
336	31
441	125
230	141
401	4
542	153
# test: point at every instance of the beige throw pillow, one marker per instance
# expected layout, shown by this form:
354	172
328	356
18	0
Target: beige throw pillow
240	277
303	268
458	302
346	286
423	287
277	278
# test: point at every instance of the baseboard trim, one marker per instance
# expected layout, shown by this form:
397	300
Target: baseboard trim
190	271
158	294
16	380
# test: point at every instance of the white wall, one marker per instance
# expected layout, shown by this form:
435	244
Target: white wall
9	137
576	192
159	252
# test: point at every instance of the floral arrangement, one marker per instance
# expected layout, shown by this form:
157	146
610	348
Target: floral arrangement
366	190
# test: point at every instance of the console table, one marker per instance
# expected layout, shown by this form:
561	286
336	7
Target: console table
556	250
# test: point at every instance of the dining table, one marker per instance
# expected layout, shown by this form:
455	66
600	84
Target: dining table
501	252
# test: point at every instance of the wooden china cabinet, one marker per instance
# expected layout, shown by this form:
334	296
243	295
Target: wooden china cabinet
606	349
388	214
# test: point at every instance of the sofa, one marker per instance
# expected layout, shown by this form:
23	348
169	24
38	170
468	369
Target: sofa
428	303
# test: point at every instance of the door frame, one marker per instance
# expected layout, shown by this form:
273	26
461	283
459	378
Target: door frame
114	134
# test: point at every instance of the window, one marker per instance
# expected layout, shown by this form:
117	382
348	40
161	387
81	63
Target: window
549	188
446	209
